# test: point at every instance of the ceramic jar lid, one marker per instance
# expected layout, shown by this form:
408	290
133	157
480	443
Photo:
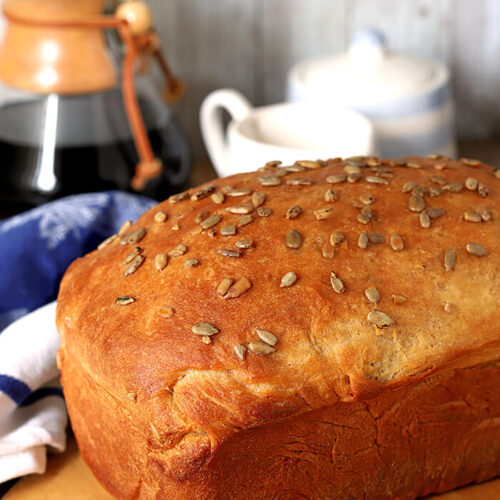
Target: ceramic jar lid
371	79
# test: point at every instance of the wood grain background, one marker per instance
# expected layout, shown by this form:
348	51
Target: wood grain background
251	44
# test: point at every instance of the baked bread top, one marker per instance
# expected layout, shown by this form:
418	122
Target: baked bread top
290	288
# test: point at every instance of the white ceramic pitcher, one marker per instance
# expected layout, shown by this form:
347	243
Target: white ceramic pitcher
286	132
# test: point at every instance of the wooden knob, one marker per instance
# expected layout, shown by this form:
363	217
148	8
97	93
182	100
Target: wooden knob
138	16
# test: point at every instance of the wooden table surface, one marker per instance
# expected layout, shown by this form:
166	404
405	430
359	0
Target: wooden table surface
68	477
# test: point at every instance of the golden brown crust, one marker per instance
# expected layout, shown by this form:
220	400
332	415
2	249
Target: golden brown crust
439	434
327	352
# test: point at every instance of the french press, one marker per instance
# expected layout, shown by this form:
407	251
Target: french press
71	119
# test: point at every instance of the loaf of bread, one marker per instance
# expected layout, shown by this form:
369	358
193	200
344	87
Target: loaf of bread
326	330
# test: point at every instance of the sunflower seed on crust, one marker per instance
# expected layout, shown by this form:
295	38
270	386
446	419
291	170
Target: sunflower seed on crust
244	220
363	240
264	211
453	187
372	294
272	163
211	221
260	347
471	183
352	169
133	237
425	220
258	199
336	178
328	250
178	250
300	181
331	196
125	227
240	351
435	213
292	169
398	299
269	180
132	255
203	192
380	319
266	336
237	192
418	191
176	198
228	230
472	217
229	252
288	279
323	213
397	243
471	162
160	216
238	289
362	218
450	257
293	239
203	214
482	190
407	187
134	265
124	300
281	172
189	263
416	203
367	198
336	282
293	212
166	312
373	179
337	237
435	191
224	286
245	243
240	209
483	212
310	165
353	178
217	197
204	328
107	241
376	238
476	249
161	261
437	180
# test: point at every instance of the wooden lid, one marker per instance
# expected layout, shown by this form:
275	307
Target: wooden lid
52	59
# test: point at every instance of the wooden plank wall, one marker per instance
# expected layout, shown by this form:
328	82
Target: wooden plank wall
250	45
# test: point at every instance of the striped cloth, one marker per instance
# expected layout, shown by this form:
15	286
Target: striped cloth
36	248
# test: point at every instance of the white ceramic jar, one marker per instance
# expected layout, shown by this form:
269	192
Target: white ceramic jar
407	99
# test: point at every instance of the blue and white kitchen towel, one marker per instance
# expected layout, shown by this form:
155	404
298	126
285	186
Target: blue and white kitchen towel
36	247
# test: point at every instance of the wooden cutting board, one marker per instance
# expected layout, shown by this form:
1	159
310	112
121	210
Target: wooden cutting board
68	476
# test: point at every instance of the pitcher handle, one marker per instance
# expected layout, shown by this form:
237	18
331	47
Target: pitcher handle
212	127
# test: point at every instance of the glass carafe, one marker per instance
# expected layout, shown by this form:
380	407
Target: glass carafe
64	127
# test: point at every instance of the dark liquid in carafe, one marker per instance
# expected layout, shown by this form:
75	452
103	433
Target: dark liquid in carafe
85	168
